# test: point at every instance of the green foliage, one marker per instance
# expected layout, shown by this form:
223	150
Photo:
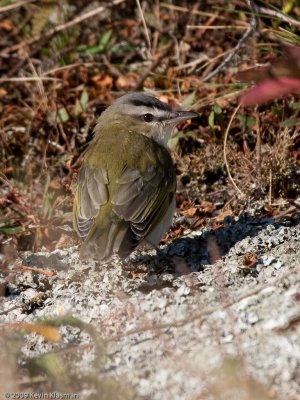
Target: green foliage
294	120
295	105
188	101
247	121
61	114
52	365
290	122
215	116
289	5
174	139
120	49
101	47
287	35
82	103
176	136
4	3
11	230
41	17
276	110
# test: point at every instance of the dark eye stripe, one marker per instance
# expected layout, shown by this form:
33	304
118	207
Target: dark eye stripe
150	102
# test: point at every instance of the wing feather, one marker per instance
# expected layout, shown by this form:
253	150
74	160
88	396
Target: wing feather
142	198
91	194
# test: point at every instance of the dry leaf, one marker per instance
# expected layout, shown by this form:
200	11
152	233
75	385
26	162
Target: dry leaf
197	223
190	213
36	270
207	207
50	333
249	260
126	82
3	92
6	25
103	82
224	214
55	185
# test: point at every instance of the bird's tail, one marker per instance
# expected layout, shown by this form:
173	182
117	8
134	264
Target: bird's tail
102	241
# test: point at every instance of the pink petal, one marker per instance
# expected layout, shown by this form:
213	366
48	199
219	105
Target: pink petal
270	89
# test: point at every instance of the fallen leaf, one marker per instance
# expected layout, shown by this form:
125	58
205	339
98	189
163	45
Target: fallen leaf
23	268
197	223
227	213
50	333
190	213
249	260
3	92
126	82
207	207
103	82
7	25
55	185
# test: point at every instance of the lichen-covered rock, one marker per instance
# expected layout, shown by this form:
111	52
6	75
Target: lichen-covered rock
183	326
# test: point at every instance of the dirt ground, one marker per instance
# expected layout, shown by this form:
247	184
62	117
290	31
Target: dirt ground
182	327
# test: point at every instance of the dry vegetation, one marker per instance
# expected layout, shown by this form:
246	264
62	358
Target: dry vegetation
55	82
63	62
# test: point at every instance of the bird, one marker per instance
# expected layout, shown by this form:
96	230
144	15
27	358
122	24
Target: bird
125	193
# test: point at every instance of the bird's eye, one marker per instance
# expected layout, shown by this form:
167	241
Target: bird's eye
148	117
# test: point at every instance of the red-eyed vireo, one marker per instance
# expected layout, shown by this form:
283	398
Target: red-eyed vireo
126	185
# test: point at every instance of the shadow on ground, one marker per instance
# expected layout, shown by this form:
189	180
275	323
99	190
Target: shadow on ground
196	251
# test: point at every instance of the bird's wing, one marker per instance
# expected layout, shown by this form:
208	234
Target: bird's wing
91	194
142	199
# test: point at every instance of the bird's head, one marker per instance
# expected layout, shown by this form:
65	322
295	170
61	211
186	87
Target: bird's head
144	114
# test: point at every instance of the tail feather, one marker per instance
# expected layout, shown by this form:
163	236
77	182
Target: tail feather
103	242
128	244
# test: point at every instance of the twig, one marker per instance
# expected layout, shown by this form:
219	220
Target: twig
153	66
212	60
174	7
209	23
192	64
16	5
58	28
258	154
225	155
24	268
144	25
28	79
10	309
216	27
6	181
64	136
230	56
43	100
211	99
277	14
114	72
236	49
70	66
270	184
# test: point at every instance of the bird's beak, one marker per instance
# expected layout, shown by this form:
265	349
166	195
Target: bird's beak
178	116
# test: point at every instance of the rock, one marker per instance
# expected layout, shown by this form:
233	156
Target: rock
170	334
